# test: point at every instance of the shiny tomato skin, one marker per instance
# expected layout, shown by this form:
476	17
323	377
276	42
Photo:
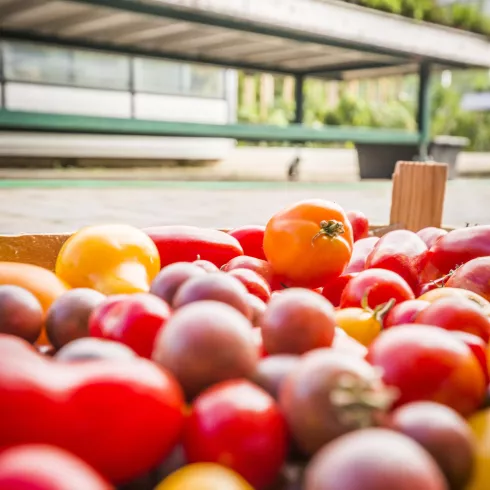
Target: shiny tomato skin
238	425
454	249
254	283
448	292
309	243
431	234
362	325
479	349
360	252
334	288
43	467
360	224
380	285
404	313
259	266
473	276
177	243
400	251
206	266
345	343
457	314
428	363
134	320
251	239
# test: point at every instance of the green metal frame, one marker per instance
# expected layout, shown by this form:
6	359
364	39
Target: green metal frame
29	121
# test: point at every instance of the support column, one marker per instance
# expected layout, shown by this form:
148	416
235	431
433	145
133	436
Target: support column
423	114
299	98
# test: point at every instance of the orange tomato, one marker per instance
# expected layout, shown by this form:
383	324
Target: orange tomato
445	292
309	242
113	259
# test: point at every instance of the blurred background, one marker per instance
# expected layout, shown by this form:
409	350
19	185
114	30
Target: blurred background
141	112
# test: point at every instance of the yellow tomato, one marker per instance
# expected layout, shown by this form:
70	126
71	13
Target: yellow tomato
113	259
204	476
439	293
480	426
359	323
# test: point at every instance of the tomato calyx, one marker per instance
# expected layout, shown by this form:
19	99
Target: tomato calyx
330	229
360	402
380	311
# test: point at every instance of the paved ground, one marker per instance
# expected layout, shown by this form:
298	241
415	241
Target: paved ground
54	206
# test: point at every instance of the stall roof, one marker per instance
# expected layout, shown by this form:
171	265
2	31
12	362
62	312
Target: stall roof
311	37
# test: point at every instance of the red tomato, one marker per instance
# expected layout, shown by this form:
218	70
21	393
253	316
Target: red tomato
133	320
259	266
251	239
334	288
309	242
177	243
404	312
360	253
479	349
121	416
428	363
206	265
360	224
378	285
254	283
238	425
259	342
456	248
400	251
474	276
457	314
40	467
431	234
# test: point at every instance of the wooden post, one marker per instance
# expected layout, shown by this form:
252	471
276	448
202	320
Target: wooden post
418	195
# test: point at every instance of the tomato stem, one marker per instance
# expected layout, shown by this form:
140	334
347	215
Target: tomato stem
382	310
330	229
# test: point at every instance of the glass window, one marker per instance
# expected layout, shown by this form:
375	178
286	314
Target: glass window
100	70
26	62
205	81
157	76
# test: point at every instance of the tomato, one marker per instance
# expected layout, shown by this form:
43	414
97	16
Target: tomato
134	320
479	349
473	276
334	288
360	252
259	342
121	416
360	224
204	476
378	285
112	259
428	363
362	324
405	312
447	292
309	242
259	266
480	427
457	314
251	239
431	234
400	251
206	265
254	283
346	344
177	243
43	467
239	425
456	248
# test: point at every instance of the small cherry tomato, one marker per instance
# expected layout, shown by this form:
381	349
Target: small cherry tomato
405	312
431	234
134	320
204	476
474	276
309	242
334	288
429	363
251	239
237	424
259	266
360	252
360	224
445	292
378	285
254	283
457	314
206	265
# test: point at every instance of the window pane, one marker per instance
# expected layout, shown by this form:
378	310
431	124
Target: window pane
31	63
157	76
206	81
100	70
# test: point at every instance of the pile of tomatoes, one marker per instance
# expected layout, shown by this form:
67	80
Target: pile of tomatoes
303	355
